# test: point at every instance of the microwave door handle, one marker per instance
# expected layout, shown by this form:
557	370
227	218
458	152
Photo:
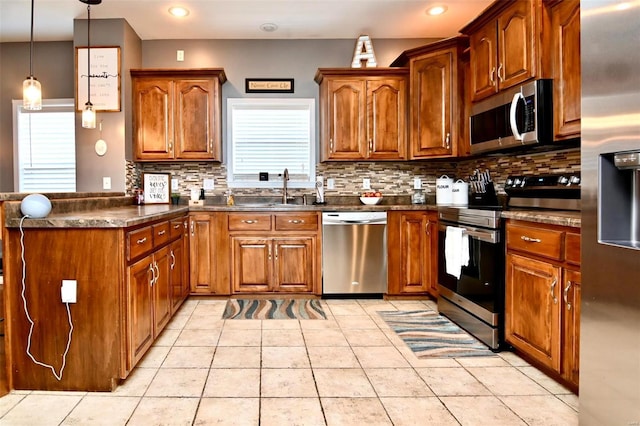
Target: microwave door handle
512	116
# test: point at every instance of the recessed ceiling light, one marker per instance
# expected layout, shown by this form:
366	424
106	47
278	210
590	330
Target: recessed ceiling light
178	11
437	10
268	27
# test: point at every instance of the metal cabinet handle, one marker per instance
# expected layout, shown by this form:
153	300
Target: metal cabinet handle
296	221
370	145
173	259
192	229
492	79
276	252
530	240
153	274
211	145
447	141
162	232
176	226
142	240
566	295
501	77
330	144
427	228
249	221
157	272
553	291
269	247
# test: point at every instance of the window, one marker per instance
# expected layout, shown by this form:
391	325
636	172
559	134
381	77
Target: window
269	135
45	147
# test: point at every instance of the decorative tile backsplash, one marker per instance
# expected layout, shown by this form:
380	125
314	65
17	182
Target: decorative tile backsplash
390	178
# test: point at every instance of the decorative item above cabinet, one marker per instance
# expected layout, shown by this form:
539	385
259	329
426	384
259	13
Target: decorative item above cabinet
363	113
177	114
506	46
438	113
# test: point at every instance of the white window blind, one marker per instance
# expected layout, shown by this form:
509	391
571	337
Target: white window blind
44	146
269	135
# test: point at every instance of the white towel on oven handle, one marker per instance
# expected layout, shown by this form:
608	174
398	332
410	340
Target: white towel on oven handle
456	250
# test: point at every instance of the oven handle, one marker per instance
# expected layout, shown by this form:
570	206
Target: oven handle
492	237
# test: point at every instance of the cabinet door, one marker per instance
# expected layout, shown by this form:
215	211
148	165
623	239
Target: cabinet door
347	109
516	44
140	292
431	109
565	42
251	260
152	123
386	118
532	312
162	289
197	125
201	262
571	325
483	56
176	273
294	263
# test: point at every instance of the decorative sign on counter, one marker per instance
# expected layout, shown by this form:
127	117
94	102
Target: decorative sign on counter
105	78
157	188
268	85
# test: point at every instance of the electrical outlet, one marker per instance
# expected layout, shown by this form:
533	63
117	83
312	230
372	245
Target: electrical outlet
180	55
174	185
69	291
106	182
366	183
208	184
417	183
331	183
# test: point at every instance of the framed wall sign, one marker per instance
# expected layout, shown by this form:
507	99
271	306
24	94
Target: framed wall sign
156	187
105	78
268	85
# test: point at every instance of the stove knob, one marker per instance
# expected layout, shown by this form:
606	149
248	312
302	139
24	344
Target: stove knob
509	182
517	182
574	180
523	183
562	180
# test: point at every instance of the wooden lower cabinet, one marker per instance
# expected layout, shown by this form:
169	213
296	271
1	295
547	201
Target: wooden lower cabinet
272	264
571	325
542	296
532	320
412	246
208	254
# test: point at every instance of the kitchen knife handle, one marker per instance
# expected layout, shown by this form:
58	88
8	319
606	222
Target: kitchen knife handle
553	291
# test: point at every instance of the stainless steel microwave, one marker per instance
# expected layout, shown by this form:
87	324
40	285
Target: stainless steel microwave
514	118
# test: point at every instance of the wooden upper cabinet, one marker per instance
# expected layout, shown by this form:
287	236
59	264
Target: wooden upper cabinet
505	46
176	114
437	114
363	113
565	68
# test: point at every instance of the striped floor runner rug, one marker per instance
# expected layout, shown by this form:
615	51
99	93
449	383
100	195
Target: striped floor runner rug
430	335
263	309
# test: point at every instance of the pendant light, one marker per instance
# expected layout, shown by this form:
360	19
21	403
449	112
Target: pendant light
31	89
89	114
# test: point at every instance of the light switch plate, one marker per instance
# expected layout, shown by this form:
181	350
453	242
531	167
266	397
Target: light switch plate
174	185
208	184
106	182
331	183
366	183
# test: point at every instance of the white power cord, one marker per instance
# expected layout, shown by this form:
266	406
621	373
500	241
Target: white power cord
26	311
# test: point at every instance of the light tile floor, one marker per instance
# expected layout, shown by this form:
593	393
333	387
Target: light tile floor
348	370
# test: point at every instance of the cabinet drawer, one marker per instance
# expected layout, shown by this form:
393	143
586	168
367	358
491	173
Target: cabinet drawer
572	248
140	242
160	233
297	222
537	241
177	227
249	222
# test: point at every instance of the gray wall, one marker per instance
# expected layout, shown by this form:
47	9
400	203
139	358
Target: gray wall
52	66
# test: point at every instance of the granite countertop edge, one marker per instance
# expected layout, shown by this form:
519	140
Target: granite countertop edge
551	217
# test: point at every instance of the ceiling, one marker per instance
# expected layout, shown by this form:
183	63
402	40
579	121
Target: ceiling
241	19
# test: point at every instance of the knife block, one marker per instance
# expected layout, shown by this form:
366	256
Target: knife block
486	198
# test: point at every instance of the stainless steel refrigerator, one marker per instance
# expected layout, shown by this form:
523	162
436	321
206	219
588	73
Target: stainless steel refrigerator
610	306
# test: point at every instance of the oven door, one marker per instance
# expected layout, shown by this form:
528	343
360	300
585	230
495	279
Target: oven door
480	288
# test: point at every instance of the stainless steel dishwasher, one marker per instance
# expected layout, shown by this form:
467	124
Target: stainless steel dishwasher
354	254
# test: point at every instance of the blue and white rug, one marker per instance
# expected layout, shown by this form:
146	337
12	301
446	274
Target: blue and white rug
430	335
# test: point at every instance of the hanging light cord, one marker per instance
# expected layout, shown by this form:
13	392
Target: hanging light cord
31	45
88	54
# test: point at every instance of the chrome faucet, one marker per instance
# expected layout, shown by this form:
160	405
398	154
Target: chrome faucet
285	178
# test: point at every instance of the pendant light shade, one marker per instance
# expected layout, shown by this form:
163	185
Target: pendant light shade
89	114
31	89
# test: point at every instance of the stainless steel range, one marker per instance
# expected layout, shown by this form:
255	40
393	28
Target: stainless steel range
471	292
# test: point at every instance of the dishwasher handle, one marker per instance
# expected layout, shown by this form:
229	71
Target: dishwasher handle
354	222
